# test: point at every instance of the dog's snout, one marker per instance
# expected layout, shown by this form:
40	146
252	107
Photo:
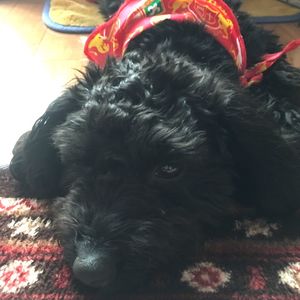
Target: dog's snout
94	270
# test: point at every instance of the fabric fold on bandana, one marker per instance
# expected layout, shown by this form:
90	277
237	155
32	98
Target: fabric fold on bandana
135	16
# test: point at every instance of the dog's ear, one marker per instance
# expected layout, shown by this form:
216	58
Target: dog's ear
35	161
267	164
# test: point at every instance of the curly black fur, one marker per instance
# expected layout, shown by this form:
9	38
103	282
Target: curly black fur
174	100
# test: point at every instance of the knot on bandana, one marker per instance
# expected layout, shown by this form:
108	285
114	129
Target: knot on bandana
135	16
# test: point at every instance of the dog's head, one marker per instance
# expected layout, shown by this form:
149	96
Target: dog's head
156	154
143	169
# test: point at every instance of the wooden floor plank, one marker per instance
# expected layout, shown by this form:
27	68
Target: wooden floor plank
6	6
23	23
57	45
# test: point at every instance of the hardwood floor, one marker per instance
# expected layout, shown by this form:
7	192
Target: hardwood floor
36	63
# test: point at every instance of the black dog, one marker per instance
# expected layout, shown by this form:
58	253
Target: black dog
147	154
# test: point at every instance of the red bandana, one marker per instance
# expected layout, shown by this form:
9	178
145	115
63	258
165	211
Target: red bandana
135	16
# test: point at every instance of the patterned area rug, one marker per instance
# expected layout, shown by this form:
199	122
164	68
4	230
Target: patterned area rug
255	259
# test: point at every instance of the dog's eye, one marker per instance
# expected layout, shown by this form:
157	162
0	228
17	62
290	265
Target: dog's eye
167	171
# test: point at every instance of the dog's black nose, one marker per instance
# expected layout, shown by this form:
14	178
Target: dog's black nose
94	270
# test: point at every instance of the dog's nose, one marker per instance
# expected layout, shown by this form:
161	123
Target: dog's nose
94	270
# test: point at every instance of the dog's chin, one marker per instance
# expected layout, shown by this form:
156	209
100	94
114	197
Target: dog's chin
123	283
